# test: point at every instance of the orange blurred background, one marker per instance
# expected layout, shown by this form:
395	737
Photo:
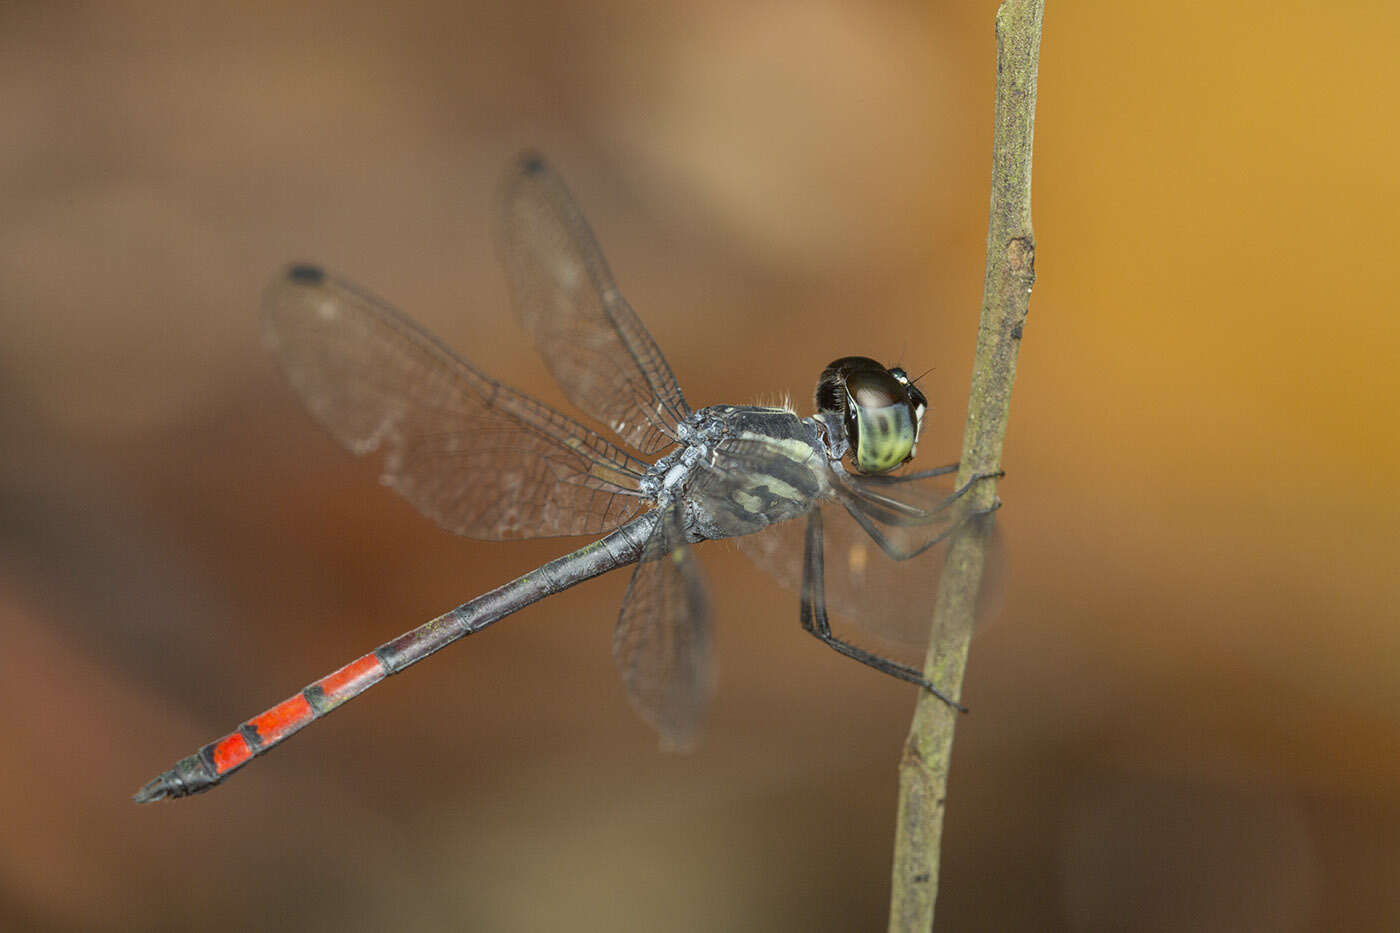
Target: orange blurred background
1187	715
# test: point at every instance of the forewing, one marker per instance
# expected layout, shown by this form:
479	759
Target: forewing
662	642
588	335
477	457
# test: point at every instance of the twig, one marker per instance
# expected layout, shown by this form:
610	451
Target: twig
923	770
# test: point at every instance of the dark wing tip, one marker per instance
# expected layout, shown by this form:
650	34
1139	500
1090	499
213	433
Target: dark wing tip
532	163
306	274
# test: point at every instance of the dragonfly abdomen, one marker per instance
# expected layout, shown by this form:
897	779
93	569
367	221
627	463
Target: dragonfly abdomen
215	761
210	764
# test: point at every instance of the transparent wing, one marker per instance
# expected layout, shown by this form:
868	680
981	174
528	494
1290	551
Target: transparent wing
565	296
477	457
904	518
662	641
887	598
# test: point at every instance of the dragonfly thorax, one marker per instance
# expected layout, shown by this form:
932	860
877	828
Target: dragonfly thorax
876	411
740	468
696	436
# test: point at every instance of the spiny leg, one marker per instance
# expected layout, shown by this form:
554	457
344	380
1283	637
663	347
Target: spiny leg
815	621
893	550
895	512
911	477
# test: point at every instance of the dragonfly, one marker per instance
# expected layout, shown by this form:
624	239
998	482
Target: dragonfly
486	461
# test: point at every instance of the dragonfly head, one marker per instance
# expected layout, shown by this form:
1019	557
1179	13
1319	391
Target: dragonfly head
879	409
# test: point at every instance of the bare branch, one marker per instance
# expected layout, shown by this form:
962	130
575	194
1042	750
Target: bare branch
923	770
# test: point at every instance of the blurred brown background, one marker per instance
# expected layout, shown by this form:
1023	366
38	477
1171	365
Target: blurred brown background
1187	715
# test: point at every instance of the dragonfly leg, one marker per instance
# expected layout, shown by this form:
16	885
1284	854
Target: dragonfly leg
911	477
895	512
893	550
816	622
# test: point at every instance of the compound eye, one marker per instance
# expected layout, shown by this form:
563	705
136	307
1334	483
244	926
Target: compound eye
882	421
885	438
875	389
